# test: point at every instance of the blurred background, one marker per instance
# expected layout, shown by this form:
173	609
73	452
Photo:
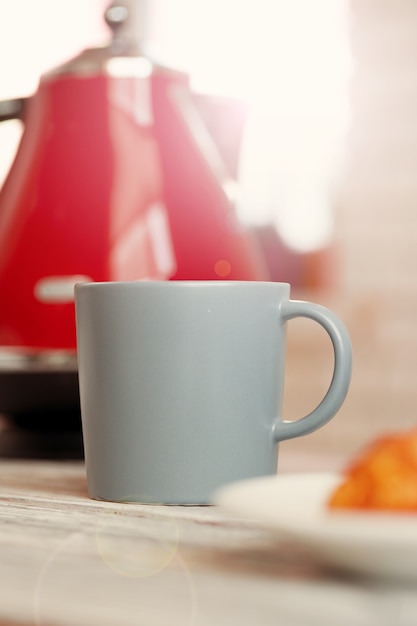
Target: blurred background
325	169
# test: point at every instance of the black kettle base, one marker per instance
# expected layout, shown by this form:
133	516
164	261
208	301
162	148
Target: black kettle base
39	409
17	442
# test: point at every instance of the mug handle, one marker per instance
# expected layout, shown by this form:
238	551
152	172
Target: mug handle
342	369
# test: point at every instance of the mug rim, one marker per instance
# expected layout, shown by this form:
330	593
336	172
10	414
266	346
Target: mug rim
130	284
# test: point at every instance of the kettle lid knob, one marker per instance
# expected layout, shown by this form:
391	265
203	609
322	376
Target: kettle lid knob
116	15
128	21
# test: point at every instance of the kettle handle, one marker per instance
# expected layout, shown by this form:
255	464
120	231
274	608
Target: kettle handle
12	109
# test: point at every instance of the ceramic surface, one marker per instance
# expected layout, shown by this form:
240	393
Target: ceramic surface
371	544
181	384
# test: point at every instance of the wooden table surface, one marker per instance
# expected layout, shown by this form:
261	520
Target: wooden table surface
66	560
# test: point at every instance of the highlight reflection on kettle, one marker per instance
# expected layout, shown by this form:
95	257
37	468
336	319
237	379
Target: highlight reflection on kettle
117	177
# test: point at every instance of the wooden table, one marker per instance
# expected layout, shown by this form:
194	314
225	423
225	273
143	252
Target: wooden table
66	560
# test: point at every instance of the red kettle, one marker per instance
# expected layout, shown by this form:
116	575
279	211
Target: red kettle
118	176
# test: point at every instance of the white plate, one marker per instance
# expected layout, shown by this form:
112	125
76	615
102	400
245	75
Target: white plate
375	544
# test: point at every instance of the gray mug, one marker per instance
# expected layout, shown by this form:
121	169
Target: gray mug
181	384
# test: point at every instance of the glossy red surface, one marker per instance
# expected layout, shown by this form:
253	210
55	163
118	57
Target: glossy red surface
109	183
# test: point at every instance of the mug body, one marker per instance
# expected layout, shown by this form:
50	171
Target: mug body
180	386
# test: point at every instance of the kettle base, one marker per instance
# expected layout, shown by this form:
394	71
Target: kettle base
40	393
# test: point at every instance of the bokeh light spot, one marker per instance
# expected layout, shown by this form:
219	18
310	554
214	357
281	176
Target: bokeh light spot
222	268
136	555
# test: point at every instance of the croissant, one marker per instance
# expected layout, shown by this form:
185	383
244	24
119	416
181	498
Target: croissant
383	477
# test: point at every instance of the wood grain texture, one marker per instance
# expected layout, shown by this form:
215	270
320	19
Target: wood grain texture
66	560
